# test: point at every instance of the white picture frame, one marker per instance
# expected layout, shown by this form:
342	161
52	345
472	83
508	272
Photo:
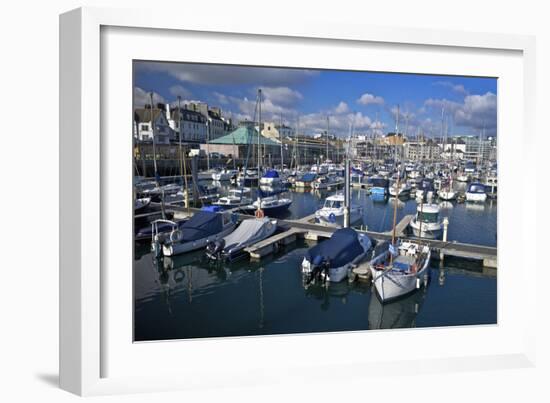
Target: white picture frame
86	319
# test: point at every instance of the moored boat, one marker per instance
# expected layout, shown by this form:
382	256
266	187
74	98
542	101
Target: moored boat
332	212
426	222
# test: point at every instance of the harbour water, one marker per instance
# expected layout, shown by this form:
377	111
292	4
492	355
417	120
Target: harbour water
187	297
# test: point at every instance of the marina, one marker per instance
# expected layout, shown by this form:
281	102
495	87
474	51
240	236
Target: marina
259	228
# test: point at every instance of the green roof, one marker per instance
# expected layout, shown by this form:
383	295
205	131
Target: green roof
244	136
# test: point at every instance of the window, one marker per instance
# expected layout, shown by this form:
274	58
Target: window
145	127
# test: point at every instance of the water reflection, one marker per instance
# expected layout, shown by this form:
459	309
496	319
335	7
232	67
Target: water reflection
401	313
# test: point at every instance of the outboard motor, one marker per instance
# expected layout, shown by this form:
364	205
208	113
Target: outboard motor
318	267
214	249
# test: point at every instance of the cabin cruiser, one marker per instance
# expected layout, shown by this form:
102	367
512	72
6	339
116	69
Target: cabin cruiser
379	186
476	193
399	271
249	232
205	225
426	223
235	198
332	212
326	182
331	260
270	205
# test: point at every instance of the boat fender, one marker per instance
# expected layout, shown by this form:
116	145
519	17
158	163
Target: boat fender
417	282
332	217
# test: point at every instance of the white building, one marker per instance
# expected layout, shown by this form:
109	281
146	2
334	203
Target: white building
143	126
194	127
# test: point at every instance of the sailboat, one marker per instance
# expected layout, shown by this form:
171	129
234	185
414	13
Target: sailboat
403	267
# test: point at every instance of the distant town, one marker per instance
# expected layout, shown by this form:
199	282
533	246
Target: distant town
204	131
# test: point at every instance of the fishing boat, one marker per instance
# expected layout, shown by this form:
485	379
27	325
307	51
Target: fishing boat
331	260
476	193
270	178
400	271
426	222
306	180
249	232
332	212
270	205
205	225
224	175
235	198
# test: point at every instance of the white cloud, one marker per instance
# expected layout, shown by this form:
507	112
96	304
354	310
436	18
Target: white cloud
281	95
341	108
142	98
458	88
368	99
179	90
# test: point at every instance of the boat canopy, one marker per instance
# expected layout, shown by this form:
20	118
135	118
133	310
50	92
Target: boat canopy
340	249
379	182
271	174
249	229
201	225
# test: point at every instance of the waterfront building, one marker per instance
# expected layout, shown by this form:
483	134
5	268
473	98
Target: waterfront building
190	123
238	142
422	150
143	125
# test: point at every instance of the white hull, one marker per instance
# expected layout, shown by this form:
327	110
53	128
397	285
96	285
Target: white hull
179	248
446	195
323	216
393	285
270	181
429	230
476	197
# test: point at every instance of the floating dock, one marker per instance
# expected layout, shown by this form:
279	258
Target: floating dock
304	228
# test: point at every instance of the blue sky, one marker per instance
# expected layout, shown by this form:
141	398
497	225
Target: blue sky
367	99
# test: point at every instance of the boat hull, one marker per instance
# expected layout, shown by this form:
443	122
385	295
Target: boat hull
476	197
356	214
179	248
390	286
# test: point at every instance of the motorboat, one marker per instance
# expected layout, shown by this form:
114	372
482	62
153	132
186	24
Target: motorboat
270	206
332	212
491	184
426	222
224	175
235	198
402	269
403	191
327	182
476	193
205	225
331	260
306	180
379	186
249	232
270	178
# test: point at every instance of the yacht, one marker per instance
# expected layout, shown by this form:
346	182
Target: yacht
476	192
426	223
235	198
332	212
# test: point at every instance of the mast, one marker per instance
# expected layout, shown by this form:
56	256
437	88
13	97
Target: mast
397	190
154	140
281	139
395	138
328	127
183	165
259	131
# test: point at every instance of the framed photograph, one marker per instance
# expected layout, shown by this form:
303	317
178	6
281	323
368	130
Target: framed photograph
245	201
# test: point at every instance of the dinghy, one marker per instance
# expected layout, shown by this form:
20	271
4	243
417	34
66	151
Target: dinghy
205	225
332	259
249	232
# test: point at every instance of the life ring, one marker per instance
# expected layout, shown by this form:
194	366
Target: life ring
259	213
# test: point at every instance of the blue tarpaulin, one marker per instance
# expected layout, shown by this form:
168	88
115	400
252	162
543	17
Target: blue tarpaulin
340	249
202	225
271	174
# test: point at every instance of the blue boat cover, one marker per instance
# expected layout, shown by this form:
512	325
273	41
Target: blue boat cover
309	177
202	225
271	174
212	209
340	249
